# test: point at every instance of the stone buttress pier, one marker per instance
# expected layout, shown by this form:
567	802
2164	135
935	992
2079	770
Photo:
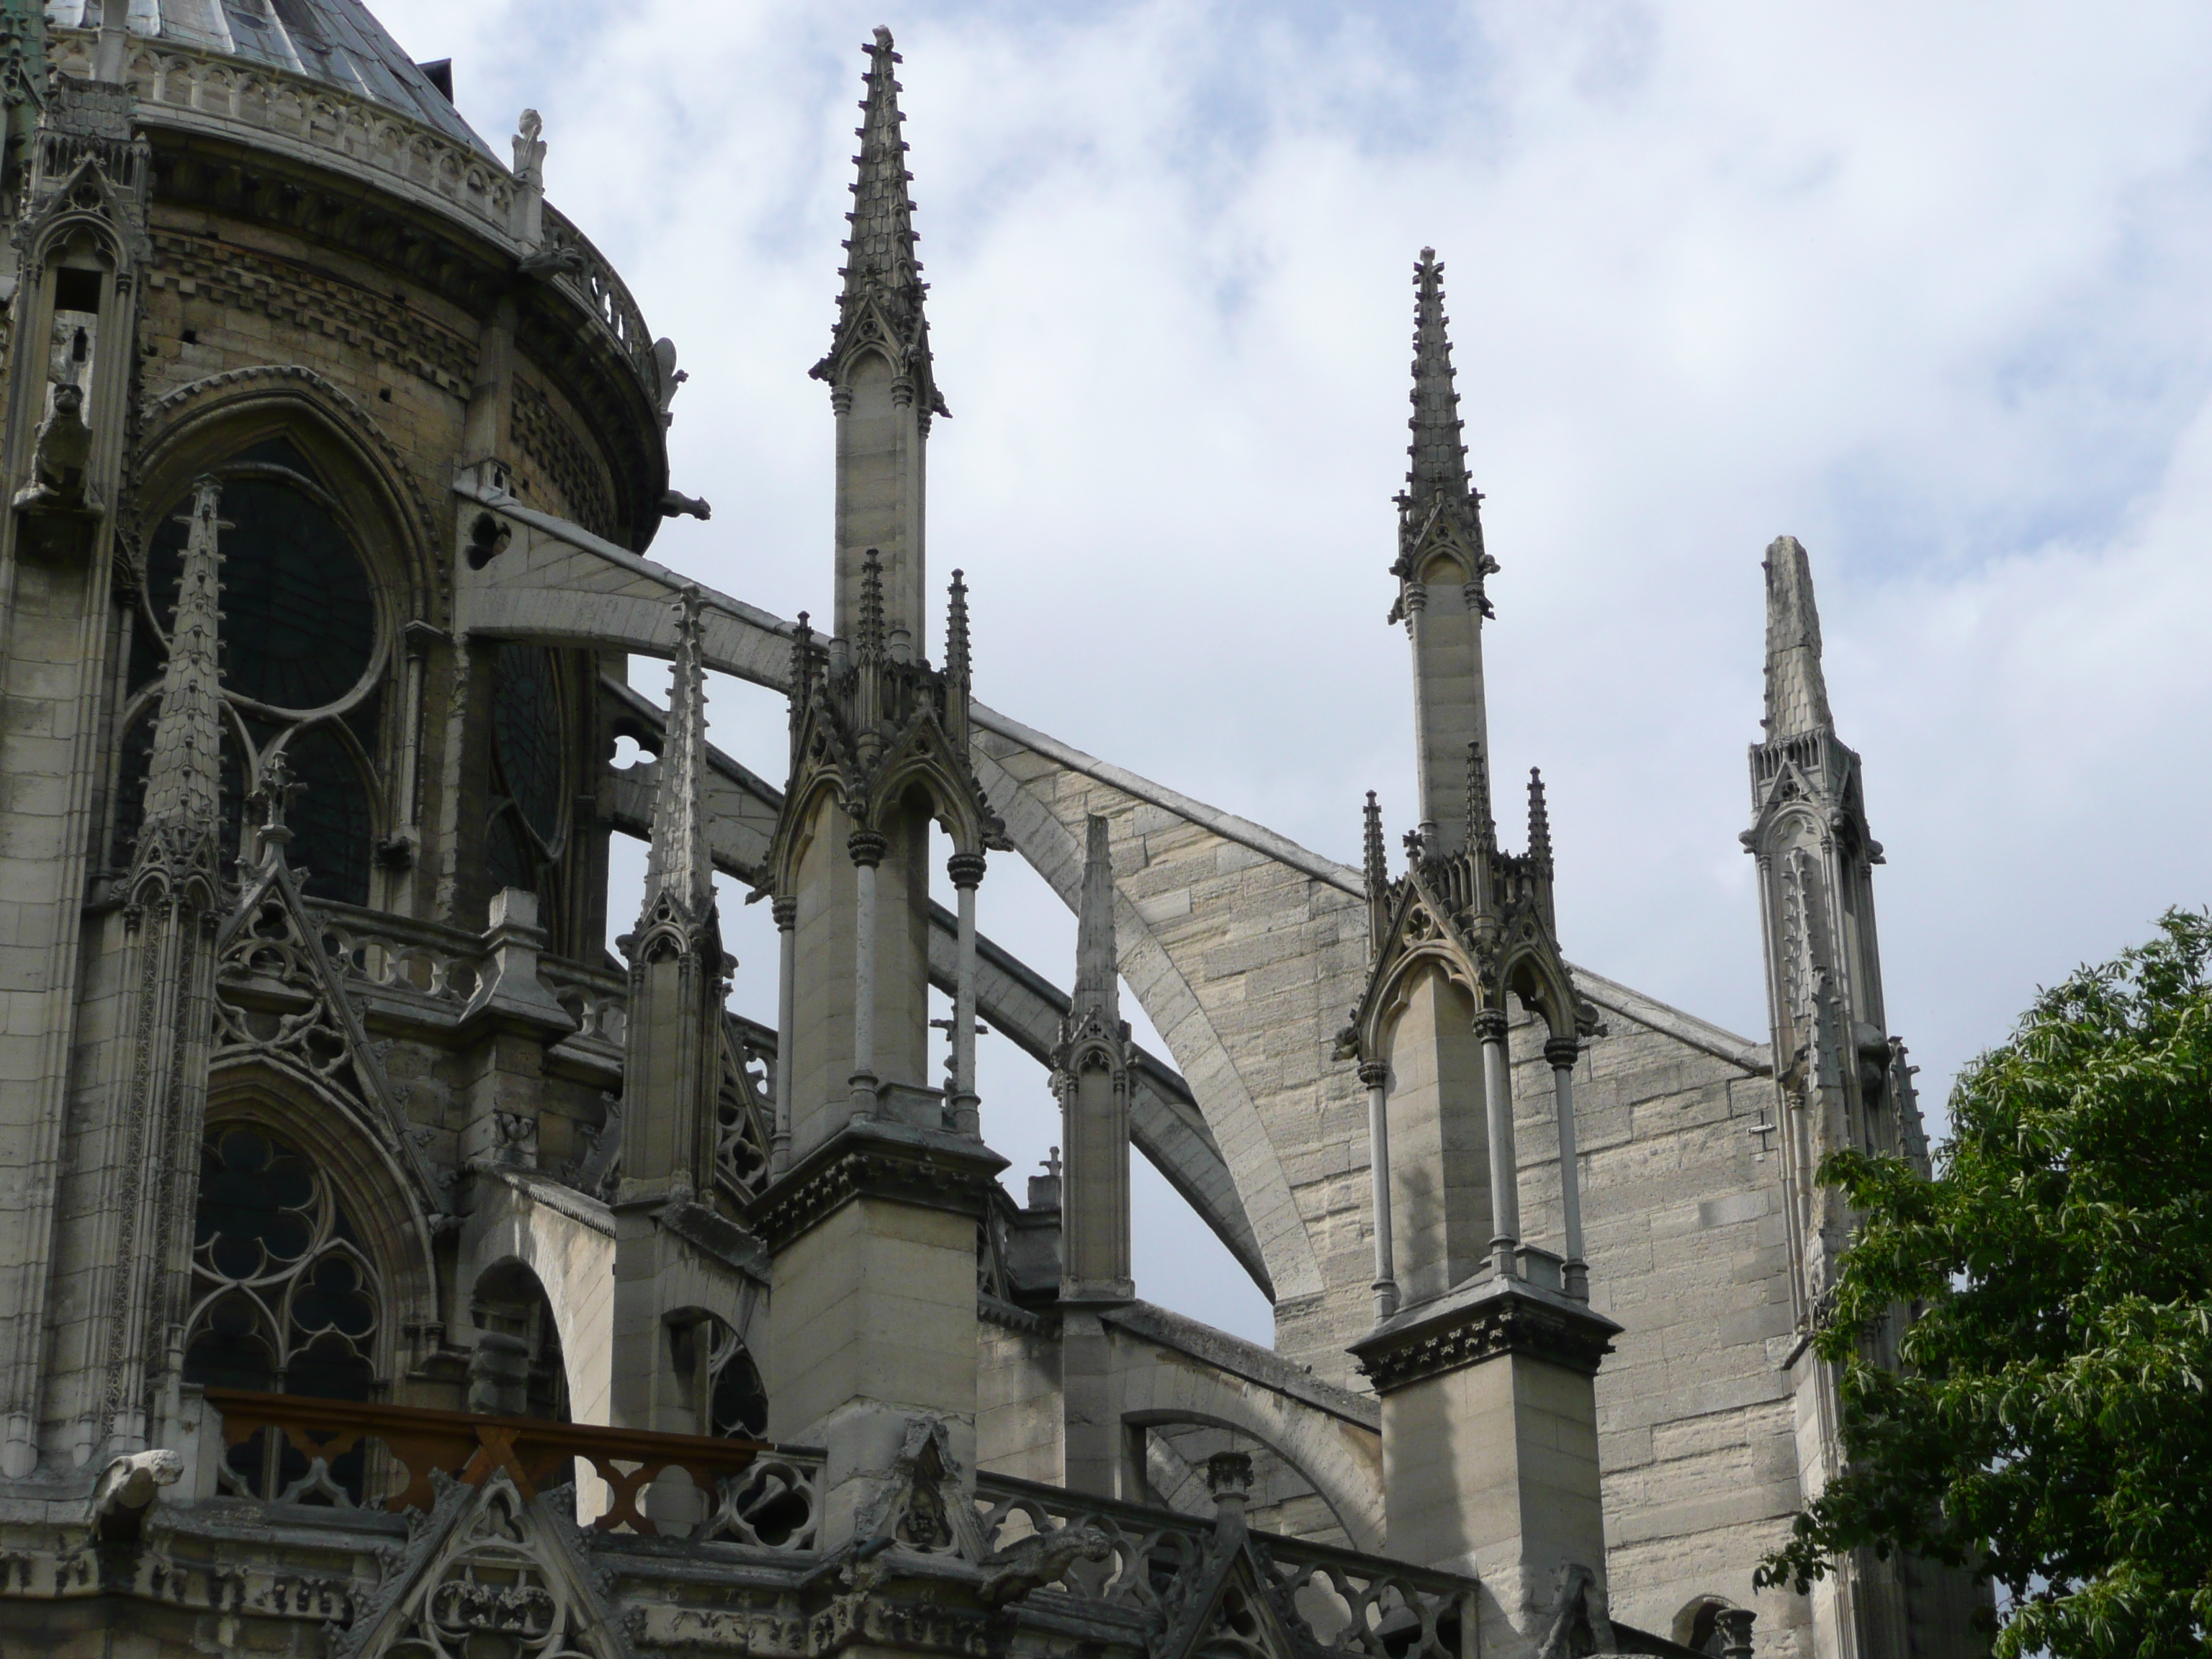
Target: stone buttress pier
880	1181
1091	1070
1484	1348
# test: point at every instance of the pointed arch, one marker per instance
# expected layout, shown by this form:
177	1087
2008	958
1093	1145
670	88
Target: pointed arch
392	1233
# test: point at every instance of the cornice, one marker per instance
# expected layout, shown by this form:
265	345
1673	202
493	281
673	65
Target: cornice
1492	1318
922	1167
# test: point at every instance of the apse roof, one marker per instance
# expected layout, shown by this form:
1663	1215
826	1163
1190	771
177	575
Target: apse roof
334	41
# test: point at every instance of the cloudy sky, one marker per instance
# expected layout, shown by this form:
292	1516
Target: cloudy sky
1928	287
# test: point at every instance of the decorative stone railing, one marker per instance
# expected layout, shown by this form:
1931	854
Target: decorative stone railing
294	1448
1147	1550
197	90
597	998
1342	1602
595	286
394	957
1359	1605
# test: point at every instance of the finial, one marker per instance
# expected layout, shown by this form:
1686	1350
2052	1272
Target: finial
272	793
1438	470
883	280
1540	822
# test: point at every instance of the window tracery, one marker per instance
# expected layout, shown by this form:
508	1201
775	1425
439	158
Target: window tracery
285	1297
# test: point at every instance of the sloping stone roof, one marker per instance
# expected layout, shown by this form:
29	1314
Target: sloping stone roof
336	41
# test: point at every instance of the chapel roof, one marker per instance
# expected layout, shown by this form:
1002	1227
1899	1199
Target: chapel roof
334	41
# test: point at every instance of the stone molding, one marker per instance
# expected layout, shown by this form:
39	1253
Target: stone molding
892	1161
1467	1328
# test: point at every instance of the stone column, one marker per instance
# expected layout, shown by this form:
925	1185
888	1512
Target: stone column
1376	1074
1561	1052
786	910
868	848
966	870
1504	1163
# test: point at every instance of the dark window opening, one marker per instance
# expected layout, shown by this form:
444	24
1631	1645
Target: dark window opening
526	715
298	623
76	290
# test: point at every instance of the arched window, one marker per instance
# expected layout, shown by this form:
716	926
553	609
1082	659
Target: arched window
738	1403
518	1370
529	825
301	662
285	1298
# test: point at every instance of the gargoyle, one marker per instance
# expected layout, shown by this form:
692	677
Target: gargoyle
125	1488
59	461
673	503
1038	1560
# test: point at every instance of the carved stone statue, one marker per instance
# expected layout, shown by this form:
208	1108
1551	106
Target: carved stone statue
59	463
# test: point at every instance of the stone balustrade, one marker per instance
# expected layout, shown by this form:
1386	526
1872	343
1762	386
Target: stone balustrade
211	92
296	1449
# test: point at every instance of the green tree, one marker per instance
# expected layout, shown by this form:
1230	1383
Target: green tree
2049	1424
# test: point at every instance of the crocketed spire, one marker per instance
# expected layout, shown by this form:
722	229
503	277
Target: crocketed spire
1438	470
680	864
882	302
1796	693
1437	505
183	775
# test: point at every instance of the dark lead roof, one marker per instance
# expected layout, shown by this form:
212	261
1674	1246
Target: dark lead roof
334	41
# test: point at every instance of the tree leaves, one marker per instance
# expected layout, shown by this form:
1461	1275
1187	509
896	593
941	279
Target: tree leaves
2048	1421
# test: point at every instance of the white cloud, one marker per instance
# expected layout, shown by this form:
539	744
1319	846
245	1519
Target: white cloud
1923	286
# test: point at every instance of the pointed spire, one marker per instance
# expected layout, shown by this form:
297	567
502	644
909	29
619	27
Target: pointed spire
1095	989
1797	692
956	635
183	778
1481	824
680	864
1378	857
1439	455
880	269
1540	822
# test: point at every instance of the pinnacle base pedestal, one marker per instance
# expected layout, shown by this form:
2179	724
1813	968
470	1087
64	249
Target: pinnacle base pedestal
1489	1453
871	1312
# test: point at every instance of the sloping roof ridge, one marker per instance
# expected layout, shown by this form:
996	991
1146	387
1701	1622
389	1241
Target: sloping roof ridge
1715	1040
